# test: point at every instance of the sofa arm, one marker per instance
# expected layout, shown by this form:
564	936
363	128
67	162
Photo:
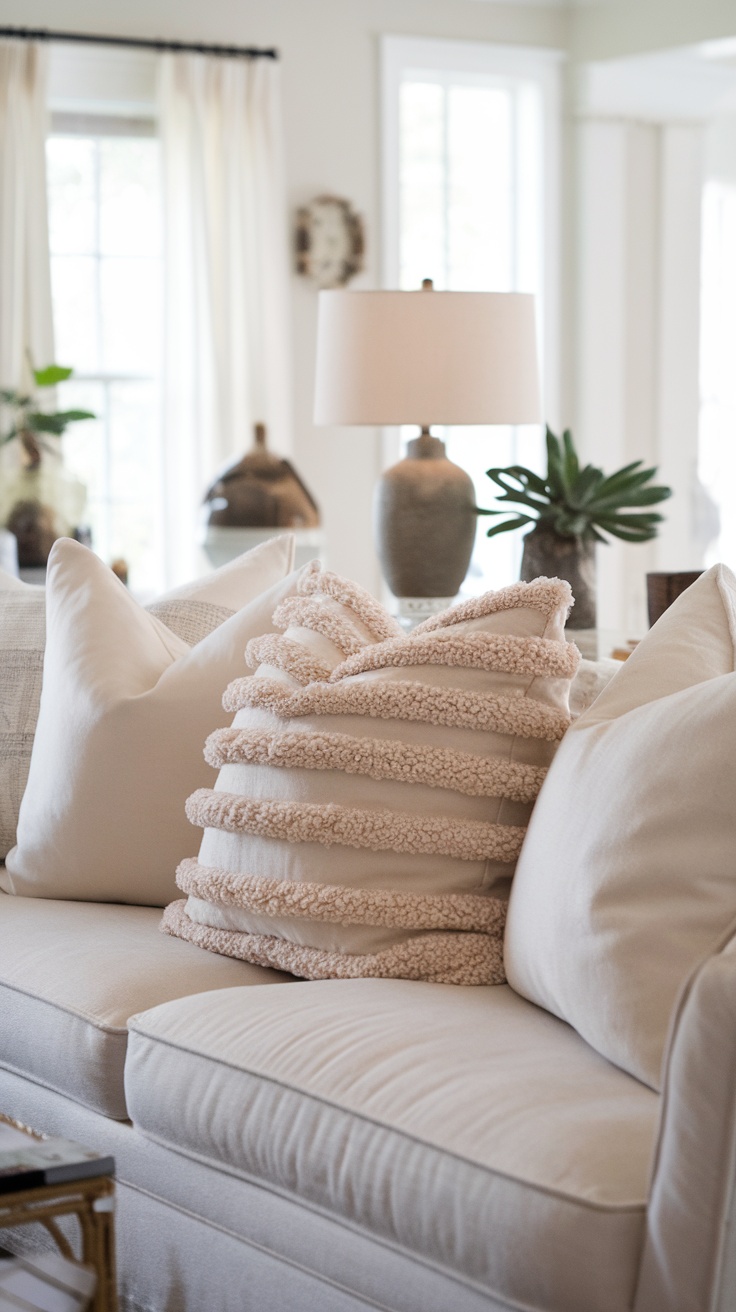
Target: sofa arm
689	1258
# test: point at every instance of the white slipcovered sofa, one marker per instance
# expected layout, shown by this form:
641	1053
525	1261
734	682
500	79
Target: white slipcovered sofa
347	1144
368	1143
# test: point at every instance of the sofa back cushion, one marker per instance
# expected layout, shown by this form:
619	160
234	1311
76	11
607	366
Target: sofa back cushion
626	880
118	746
367	818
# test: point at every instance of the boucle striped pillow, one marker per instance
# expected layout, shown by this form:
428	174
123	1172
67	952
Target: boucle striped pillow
369	810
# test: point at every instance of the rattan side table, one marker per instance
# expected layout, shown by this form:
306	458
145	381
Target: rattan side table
92	1202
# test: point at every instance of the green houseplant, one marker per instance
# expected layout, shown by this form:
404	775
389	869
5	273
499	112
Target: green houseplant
39	499
573	507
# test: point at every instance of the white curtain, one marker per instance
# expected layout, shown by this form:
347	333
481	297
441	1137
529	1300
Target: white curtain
227	340
26	323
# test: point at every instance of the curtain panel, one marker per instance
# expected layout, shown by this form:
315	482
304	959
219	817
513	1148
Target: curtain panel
227	338
26	322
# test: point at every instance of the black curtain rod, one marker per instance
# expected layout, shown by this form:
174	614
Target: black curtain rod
138	43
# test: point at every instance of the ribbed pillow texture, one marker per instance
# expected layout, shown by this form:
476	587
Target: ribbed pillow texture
374	787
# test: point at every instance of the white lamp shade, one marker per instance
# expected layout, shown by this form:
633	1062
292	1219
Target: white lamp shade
426	358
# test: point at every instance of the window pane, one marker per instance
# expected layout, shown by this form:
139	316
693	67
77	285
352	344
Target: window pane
129	211
422	148
71	194
84	443
130	299
107	319
74	290
480	202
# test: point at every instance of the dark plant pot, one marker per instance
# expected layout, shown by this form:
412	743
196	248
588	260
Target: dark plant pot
545	552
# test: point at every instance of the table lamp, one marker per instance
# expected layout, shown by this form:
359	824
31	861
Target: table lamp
424	357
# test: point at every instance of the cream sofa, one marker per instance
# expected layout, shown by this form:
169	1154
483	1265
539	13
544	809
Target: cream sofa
372	1143
355	1144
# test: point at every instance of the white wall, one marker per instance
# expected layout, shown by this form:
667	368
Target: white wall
330	51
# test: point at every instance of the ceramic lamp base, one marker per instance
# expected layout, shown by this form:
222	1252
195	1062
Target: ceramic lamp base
425	521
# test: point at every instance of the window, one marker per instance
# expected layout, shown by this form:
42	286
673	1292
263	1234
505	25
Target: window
106	269
469	149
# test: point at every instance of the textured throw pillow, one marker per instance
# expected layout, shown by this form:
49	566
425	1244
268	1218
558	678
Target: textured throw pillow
627	880
124	707
190	612
368	813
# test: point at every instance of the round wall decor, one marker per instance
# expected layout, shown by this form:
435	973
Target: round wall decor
330	241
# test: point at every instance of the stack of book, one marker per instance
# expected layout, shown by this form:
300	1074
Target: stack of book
27	1162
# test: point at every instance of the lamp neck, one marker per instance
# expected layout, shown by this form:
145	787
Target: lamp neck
425	447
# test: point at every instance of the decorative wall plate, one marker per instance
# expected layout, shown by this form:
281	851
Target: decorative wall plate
330	241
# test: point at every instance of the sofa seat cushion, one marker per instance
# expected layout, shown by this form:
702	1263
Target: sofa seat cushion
462	1124
71	973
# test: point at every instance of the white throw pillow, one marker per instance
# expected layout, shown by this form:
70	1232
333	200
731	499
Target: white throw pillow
191	612
118	748
626	878
372	797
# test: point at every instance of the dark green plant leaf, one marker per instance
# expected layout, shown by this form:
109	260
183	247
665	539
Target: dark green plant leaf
555	467
628	521
517	522
41	423
531	481
586	486
642	496
570	459
71	416
51	375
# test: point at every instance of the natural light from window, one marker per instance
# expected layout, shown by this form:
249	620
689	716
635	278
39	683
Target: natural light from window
106	269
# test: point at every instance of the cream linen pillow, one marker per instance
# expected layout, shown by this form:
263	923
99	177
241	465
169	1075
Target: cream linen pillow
191	612
124	708
626	880
368	814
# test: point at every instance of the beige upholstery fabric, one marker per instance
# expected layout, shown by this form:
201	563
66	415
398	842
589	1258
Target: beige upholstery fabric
118	748
191	612
689	1261
70	976
626	879
372	801
461	1125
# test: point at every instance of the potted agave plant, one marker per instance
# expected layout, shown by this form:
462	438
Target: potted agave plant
572	509
39	499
